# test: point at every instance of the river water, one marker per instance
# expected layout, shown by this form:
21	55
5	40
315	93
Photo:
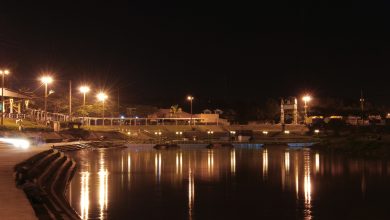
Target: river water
241	183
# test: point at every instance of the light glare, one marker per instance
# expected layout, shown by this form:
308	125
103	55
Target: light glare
46	79
19	143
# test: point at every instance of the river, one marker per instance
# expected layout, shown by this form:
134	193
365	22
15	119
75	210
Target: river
239	183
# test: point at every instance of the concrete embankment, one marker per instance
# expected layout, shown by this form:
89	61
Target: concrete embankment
43	178
13	202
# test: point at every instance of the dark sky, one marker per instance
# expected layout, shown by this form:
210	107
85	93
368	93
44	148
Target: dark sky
160	51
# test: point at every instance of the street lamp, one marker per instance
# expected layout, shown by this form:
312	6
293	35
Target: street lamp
46	80
84	90
178	133
158	133
101	96
306	99
3	73
210	133
190	98
232	134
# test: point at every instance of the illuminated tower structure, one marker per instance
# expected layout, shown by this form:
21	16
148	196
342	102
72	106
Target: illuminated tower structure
289	106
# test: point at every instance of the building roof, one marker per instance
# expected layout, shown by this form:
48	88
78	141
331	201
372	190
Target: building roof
13	94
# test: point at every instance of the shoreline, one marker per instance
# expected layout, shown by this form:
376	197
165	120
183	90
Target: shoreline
344	145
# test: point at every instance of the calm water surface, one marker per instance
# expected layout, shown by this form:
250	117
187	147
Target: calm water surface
240	183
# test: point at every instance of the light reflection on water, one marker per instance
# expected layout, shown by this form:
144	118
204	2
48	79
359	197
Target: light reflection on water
183	184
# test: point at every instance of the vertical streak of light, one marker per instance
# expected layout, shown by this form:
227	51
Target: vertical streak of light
177	163
317	162
181	163
307	185
191	193
287	161
296	168
265	163
84	195
128	167
233	161
106	189
210	162
157	166
103	186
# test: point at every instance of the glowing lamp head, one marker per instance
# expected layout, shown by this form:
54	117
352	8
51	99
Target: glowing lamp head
5	72
190	98
46	79
101	96
306	98
84	89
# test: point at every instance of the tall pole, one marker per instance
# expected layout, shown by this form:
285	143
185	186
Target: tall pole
45	102
2	99
305	111
84	100
70	100
103	112
191	111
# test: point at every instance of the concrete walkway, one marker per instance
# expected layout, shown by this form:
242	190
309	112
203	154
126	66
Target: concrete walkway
13	202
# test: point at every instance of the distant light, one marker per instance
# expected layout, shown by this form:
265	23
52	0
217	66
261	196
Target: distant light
190	98
19	143
101	96
232	132
122	117
265	132
306	98
128	133
136	116
46	79
5	72
84	89
316	131
287	132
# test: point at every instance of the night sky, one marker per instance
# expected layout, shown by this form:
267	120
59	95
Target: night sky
220	52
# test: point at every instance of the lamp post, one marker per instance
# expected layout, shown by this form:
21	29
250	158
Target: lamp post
178	134
306	99
84	90
190	98
232	135
3	73
158	133
46	80
102	97
210	133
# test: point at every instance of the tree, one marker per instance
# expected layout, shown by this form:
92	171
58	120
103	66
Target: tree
175	110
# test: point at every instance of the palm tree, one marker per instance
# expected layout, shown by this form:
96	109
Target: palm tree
175	110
